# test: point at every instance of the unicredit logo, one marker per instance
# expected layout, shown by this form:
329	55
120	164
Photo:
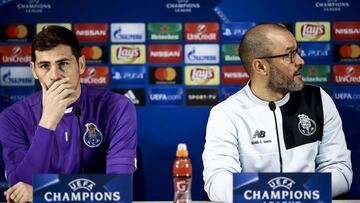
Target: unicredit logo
127	52
347	74
312	30
201	74
15	54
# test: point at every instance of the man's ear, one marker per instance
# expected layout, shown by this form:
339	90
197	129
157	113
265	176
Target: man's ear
82	64
260	67
32	66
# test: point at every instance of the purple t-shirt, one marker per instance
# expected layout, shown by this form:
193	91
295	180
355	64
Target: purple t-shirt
108	134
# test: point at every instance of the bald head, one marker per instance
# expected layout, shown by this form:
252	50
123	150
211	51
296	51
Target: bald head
258	43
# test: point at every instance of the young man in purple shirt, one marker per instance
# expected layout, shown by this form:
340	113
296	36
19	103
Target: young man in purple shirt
67	127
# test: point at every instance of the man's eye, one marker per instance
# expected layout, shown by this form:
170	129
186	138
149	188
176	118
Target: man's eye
63	64
44	67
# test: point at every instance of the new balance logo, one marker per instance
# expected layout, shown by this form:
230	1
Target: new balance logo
259	134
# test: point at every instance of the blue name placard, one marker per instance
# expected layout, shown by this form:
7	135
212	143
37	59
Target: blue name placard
282	187
82	188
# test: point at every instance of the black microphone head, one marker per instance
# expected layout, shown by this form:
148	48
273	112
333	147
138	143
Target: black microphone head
76	111
272	106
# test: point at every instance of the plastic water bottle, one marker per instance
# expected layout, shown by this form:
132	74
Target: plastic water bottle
182	172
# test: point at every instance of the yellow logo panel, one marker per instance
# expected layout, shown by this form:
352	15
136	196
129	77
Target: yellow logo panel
40	26
128	54
312	31
202	75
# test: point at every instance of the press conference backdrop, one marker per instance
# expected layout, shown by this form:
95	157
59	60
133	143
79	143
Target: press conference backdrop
175	59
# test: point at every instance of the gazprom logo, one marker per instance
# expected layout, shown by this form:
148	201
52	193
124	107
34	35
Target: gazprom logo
16	76
201	53
127	32
281	182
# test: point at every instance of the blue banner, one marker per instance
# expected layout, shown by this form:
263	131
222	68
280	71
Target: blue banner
82	188
282	187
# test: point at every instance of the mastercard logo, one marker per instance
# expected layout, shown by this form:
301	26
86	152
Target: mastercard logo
92	52
165	74
16	31
350	51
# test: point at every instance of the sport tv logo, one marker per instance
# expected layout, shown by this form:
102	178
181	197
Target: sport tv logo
202	97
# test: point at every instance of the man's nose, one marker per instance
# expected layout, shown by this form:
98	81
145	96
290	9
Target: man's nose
55	74
299	60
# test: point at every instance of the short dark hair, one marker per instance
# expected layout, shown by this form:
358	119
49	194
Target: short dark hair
53	36
255	43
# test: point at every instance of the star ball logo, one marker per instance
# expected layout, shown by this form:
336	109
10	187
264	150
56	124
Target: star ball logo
82	190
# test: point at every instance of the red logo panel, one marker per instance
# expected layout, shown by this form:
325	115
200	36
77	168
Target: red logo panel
343	31
15	54
346	74
98	76
169	53
96	32
234	75
201	32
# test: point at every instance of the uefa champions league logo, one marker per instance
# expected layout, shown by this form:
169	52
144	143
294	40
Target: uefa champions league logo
281	182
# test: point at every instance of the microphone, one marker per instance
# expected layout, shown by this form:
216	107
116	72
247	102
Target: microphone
77	112
272	107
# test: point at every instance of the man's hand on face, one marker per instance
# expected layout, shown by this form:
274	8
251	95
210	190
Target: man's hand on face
55	99
20	192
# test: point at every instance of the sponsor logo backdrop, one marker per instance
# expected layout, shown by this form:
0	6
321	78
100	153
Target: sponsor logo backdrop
176	59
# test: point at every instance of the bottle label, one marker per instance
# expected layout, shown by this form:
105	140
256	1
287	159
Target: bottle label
182	188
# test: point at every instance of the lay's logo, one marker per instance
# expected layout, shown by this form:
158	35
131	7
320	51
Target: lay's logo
128	54
312	31
202	75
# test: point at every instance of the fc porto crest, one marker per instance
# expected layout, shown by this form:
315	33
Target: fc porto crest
92	137
306	125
